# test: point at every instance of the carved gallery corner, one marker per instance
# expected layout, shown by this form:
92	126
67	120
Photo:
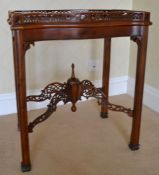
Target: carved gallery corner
40	25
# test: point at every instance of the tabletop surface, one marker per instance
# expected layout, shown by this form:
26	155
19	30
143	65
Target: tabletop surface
18	19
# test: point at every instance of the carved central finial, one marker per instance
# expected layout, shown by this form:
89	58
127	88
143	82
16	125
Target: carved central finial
73	72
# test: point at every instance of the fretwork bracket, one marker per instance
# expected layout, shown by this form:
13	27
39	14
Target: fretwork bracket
72	91
27	45
136	39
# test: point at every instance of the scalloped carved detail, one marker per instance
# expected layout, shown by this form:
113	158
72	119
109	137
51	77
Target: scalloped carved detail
73	16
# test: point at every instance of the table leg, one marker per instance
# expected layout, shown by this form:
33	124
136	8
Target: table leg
139	85
15	75
20	80
105	77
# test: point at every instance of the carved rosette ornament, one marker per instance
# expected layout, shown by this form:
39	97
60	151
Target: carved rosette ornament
72	91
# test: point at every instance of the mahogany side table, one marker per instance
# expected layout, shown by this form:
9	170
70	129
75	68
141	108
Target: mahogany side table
38	25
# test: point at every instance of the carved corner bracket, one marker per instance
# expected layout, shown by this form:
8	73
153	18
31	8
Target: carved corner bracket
136	39
27	45
72	91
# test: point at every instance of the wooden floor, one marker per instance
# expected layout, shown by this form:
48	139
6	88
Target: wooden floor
82	143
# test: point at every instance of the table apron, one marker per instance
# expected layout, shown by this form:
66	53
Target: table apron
42	34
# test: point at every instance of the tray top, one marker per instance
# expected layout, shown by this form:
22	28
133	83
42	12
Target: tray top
22	19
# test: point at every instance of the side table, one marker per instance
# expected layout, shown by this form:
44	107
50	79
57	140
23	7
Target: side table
38	25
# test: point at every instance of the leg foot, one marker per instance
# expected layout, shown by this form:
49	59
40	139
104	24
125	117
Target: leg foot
25	168
104	115
134	147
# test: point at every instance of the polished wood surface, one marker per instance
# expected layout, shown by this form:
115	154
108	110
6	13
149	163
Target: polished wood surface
38	25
